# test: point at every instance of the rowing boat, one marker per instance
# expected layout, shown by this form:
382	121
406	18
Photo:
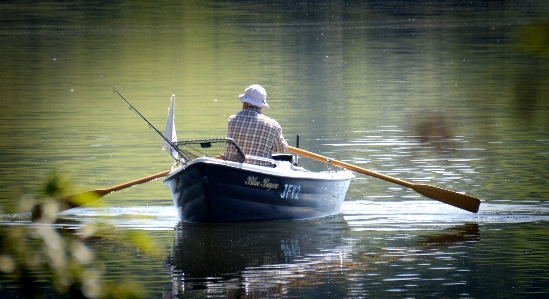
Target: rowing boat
207	188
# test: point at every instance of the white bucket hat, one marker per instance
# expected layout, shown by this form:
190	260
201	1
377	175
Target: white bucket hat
255	95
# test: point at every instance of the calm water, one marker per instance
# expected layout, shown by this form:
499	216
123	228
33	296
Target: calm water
449	94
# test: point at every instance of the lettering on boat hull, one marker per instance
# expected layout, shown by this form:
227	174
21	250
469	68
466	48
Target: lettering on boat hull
256	182
290	191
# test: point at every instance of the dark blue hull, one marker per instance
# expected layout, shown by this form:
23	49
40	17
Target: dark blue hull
210	190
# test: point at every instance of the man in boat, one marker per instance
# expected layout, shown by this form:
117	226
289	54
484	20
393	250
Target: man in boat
255	133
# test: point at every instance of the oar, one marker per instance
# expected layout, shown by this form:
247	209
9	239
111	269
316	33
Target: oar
82	198
455	199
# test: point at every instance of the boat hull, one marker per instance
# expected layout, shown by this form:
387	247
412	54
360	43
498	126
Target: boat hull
212	190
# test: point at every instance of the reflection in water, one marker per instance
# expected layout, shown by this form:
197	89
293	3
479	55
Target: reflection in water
465	233
377	249
251	257
433	127
530	93
271	259
530	90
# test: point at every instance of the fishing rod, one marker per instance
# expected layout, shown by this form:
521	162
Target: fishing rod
174	146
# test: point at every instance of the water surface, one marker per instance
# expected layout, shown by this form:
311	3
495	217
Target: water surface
376	248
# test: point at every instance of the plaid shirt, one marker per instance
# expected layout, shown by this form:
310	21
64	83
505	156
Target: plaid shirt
256	134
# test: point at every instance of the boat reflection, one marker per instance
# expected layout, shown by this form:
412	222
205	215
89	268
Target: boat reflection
258	260
250	258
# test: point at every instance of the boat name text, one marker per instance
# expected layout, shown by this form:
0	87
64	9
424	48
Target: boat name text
254	181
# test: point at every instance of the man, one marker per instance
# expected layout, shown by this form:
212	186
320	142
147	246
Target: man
255	133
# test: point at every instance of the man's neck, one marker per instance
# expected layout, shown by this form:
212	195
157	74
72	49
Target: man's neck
250	106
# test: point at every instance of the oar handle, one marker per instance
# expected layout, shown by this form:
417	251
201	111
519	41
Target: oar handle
136	182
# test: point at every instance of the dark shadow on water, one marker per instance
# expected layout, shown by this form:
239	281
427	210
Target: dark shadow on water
231	255
464	233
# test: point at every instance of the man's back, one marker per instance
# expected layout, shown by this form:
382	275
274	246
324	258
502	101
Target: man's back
256	134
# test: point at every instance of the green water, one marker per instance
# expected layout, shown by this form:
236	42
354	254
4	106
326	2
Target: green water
446	93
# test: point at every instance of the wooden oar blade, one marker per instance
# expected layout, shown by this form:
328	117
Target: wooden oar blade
68	202
80	199
452	198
